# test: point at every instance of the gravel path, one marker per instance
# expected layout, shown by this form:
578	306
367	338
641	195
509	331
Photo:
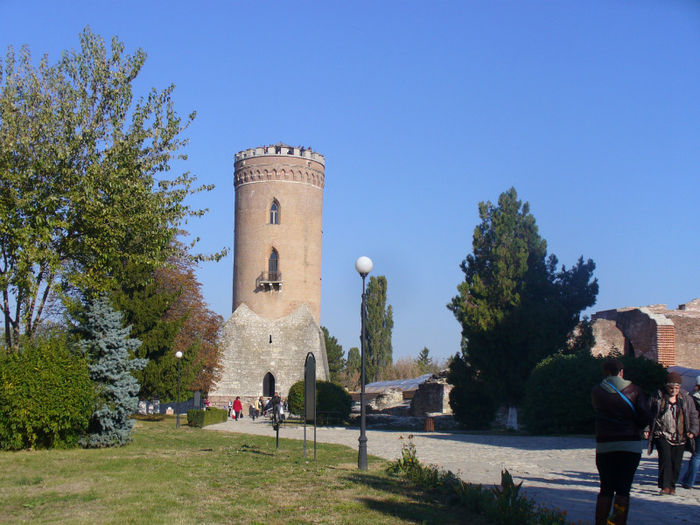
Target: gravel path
556	471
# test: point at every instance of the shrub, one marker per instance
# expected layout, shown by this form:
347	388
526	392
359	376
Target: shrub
333	403
470	398
558	395
46	396
502	505
210	416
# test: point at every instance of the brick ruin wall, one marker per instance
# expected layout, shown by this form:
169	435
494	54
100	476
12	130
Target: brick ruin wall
687	339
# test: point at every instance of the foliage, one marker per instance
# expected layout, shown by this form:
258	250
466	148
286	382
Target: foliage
108	348
471	399
351	374
378	328
402	368
168	314
514	306
46	396
334	352
502	505
649	375
85	188
210	416
558	395
333	403
426	364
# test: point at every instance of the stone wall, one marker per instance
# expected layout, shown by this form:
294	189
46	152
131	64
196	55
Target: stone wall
670	337
431	397
254	346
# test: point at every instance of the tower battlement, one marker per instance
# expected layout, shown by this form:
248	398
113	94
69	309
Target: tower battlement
280	150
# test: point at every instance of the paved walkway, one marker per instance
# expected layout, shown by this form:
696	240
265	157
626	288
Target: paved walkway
556	471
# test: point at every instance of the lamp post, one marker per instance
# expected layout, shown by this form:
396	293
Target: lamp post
178	355
363	265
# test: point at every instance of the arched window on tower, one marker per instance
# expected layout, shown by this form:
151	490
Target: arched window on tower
273	266
275	212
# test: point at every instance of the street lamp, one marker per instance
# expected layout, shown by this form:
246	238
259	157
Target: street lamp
178	355
363	265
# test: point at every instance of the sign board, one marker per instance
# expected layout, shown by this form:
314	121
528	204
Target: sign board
310	387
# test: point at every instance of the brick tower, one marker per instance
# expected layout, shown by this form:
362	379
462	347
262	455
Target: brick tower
276	273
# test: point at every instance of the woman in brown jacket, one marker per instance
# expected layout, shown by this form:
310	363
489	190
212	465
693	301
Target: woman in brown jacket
622	412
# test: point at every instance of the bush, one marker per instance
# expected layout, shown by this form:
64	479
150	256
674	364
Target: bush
503	505
46	396
333	403
210	416
558	394
470	398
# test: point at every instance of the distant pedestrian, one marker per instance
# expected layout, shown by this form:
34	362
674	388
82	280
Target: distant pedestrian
259	406
621	413
230	408
237	408
674	424
691	471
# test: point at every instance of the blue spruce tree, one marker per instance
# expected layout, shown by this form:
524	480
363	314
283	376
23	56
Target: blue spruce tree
109	349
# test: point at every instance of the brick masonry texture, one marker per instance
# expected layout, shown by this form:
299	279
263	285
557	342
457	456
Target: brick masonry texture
671	337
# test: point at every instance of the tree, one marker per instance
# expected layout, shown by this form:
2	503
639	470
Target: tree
85	189
425	363
514	306
351	375
334	353
108	348
380	322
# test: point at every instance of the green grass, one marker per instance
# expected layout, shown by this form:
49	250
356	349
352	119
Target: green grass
192	475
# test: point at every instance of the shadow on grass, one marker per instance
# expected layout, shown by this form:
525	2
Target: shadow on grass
423	507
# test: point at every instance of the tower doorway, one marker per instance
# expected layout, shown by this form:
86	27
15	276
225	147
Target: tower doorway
268	385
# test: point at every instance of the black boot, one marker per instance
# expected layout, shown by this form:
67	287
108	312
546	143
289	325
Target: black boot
602	509
621	508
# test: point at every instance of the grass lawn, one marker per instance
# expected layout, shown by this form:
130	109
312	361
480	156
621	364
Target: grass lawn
190	475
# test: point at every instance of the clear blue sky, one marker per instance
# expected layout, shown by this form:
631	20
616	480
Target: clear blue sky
423	109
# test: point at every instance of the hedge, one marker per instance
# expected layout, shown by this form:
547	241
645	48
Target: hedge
46	396
210	416
333	403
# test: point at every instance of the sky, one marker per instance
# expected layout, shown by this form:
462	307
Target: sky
423	109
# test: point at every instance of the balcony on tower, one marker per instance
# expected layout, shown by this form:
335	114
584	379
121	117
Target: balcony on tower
269	280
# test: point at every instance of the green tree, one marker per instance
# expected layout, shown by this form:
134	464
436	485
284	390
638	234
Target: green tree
351	373
334	352
380	322
109	348
425	363
515	306
85	184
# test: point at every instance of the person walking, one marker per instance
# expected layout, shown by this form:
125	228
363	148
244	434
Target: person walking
259	406
691	471
237	408
621	414
674	424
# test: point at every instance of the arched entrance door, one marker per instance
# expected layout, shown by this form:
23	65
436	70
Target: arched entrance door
269	385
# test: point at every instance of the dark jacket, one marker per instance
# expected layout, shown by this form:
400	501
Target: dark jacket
615	419
690	415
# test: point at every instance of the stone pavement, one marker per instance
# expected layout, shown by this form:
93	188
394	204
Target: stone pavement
555	471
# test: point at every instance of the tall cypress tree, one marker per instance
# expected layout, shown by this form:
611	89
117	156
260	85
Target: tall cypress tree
334	353
380	323
109	349
515	306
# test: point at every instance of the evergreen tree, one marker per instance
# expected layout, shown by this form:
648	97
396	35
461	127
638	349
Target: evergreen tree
514	306
425	363
378	329
351	372
334	353
109	348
